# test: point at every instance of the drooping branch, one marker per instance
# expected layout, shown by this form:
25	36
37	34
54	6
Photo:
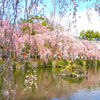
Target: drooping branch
16	9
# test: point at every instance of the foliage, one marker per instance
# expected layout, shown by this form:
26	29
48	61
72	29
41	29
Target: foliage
25	29
98	63
49	64
33	32
47	45
26	48
44	23
33	19
30	26
90	63
51	28
79	62
90	35
62	63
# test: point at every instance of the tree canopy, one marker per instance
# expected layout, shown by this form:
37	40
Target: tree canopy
90	35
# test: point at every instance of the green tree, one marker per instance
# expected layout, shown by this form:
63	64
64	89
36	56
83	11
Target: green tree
90	35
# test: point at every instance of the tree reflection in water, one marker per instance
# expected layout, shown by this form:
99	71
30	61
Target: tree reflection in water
42	83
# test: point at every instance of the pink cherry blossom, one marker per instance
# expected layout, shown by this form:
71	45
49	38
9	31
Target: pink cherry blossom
47	43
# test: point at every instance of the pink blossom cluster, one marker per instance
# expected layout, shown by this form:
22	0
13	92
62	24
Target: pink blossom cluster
63	47
10	37
48	44
38	27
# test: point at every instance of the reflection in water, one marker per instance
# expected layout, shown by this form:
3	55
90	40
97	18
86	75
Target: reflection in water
83	95
7	83
46	84
30	80
87	95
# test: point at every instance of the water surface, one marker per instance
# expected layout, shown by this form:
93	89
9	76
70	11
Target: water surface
47	84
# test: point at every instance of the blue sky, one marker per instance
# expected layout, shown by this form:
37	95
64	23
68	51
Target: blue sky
81	6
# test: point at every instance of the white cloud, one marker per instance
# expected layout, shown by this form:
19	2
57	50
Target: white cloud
88	21
85	20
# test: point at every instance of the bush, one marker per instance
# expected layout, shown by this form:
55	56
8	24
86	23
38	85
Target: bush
79	62
62	63
90	63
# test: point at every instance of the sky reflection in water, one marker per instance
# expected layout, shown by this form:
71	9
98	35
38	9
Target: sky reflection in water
83	95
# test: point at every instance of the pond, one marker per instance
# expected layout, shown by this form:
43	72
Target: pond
47	84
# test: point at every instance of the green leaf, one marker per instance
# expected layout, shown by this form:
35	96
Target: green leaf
44	23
